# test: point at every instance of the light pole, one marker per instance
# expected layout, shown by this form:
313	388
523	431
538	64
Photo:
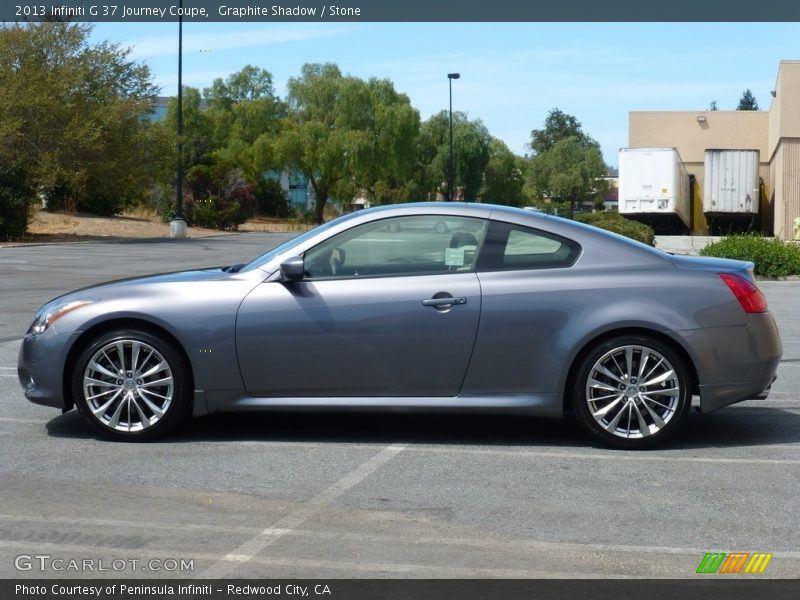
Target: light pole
177	227
451	175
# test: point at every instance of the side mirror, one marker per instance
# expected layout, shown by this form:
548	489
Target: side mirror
292	269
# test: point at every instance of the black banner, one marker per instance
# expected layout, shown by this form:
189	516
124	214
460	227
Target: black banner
705	588
400	11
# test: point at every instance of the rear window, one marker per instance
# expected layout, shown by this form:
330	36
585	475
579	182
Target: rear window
509	247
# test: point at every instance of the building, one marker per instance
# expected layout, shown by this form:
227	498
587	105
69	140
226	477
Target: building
775	133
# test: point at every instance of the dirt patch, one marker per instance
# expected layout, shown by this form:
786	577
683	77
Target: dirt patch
73	227
51	227
274	225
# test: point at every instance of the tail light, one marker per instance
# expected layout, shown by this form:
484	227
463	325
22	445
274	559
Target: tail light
748	295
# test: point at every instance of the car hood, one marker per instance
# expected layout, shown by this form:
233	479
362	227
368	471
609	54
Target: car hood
122	287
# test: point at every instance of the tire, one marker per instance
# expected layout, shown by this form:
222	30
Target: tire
616	408
144	402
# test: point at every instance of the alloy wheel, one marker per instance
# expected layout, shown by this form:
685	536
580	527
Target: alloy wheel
633	391
128	385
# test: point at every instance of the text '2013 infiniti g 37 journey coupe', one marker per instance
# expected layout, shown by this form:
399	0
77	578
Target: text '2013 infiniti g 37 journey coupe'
430	306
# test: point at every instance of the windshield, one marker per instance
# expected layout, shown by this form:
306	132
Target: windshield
289	244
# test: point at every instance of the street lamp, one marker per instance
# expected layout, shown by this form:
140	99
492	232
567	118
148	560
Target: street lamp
177	228
451	175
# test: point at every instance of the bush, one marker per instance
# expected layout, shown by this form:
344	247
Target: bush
93	200
271	199
616	223
772	257
218	198
15	198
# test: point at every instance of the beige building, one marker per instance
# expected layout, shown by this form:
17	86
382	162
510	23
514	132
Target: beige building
774	133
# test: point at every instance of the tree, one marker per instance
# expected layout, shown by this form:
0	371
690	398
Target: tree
713	106
346	134
567	166
197	129
76	115
502	179
557	126
250	83
471	153
15	198
747	101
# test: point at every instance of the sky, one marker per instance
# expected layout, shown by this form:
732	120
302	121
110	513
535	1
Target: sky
512	74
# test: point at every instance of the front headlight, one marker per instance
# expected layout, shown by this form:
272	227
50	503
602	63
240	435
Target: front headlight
46	318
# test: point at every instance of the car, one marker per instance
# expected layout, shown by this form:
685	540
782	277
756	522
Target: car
514	312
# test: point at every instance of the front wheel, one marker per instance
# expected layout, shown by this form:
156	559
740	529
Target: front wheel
632	392
131	385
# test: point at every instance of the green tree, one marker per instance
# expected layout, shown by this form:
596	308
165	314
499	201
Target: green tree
503	180
245	113
250	83
747	101
76	115
558	126
15	198
346	134
471	153
197	129
567	166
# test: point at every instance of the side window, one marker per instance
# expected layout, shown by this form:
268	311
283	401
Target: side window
415	245
510	247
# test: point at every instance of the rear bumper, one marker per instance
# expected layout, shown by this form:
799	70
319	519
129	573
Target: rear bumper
763	394
735	363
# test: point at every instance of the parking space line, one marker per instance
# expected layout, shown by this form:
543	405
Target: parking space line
619	455
246	551
523	453
121	523
476	542
16	420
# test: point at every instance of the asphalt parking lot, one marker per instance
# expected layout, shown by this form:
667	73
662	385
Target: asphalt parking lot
296	495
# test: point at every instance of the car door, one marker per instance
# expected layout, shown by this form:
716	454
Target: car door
521	339
387	308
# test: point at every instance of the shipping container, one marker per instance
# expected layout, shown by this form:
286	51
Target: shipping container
654	188
731	184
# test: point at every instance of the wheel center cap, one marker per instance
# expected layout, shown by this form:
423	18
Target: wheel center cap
130	384
632	391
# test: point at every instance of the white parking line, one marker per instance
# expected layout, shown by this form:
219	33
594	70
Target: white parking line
620	455
16	420
476	542
246	551
524	453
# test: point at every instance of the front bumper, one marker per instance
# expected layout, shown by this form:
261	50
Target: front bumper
40	367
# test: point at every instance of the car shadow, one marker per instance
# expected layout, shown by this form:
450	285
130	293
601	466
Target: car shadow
725	428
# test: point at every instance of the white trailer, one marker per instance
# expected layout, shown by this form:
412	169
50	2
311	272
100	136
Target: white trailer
731	185
654	188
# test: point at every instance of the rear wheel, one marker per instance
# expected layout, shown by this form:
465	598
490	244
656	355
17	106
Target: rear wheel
632	392
131	385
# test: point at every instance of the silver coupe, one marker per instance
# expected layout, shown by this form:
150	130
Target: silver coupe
499	310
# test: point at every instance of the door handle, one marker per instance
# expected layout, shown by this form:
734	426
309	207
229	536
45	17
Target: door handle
443	301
